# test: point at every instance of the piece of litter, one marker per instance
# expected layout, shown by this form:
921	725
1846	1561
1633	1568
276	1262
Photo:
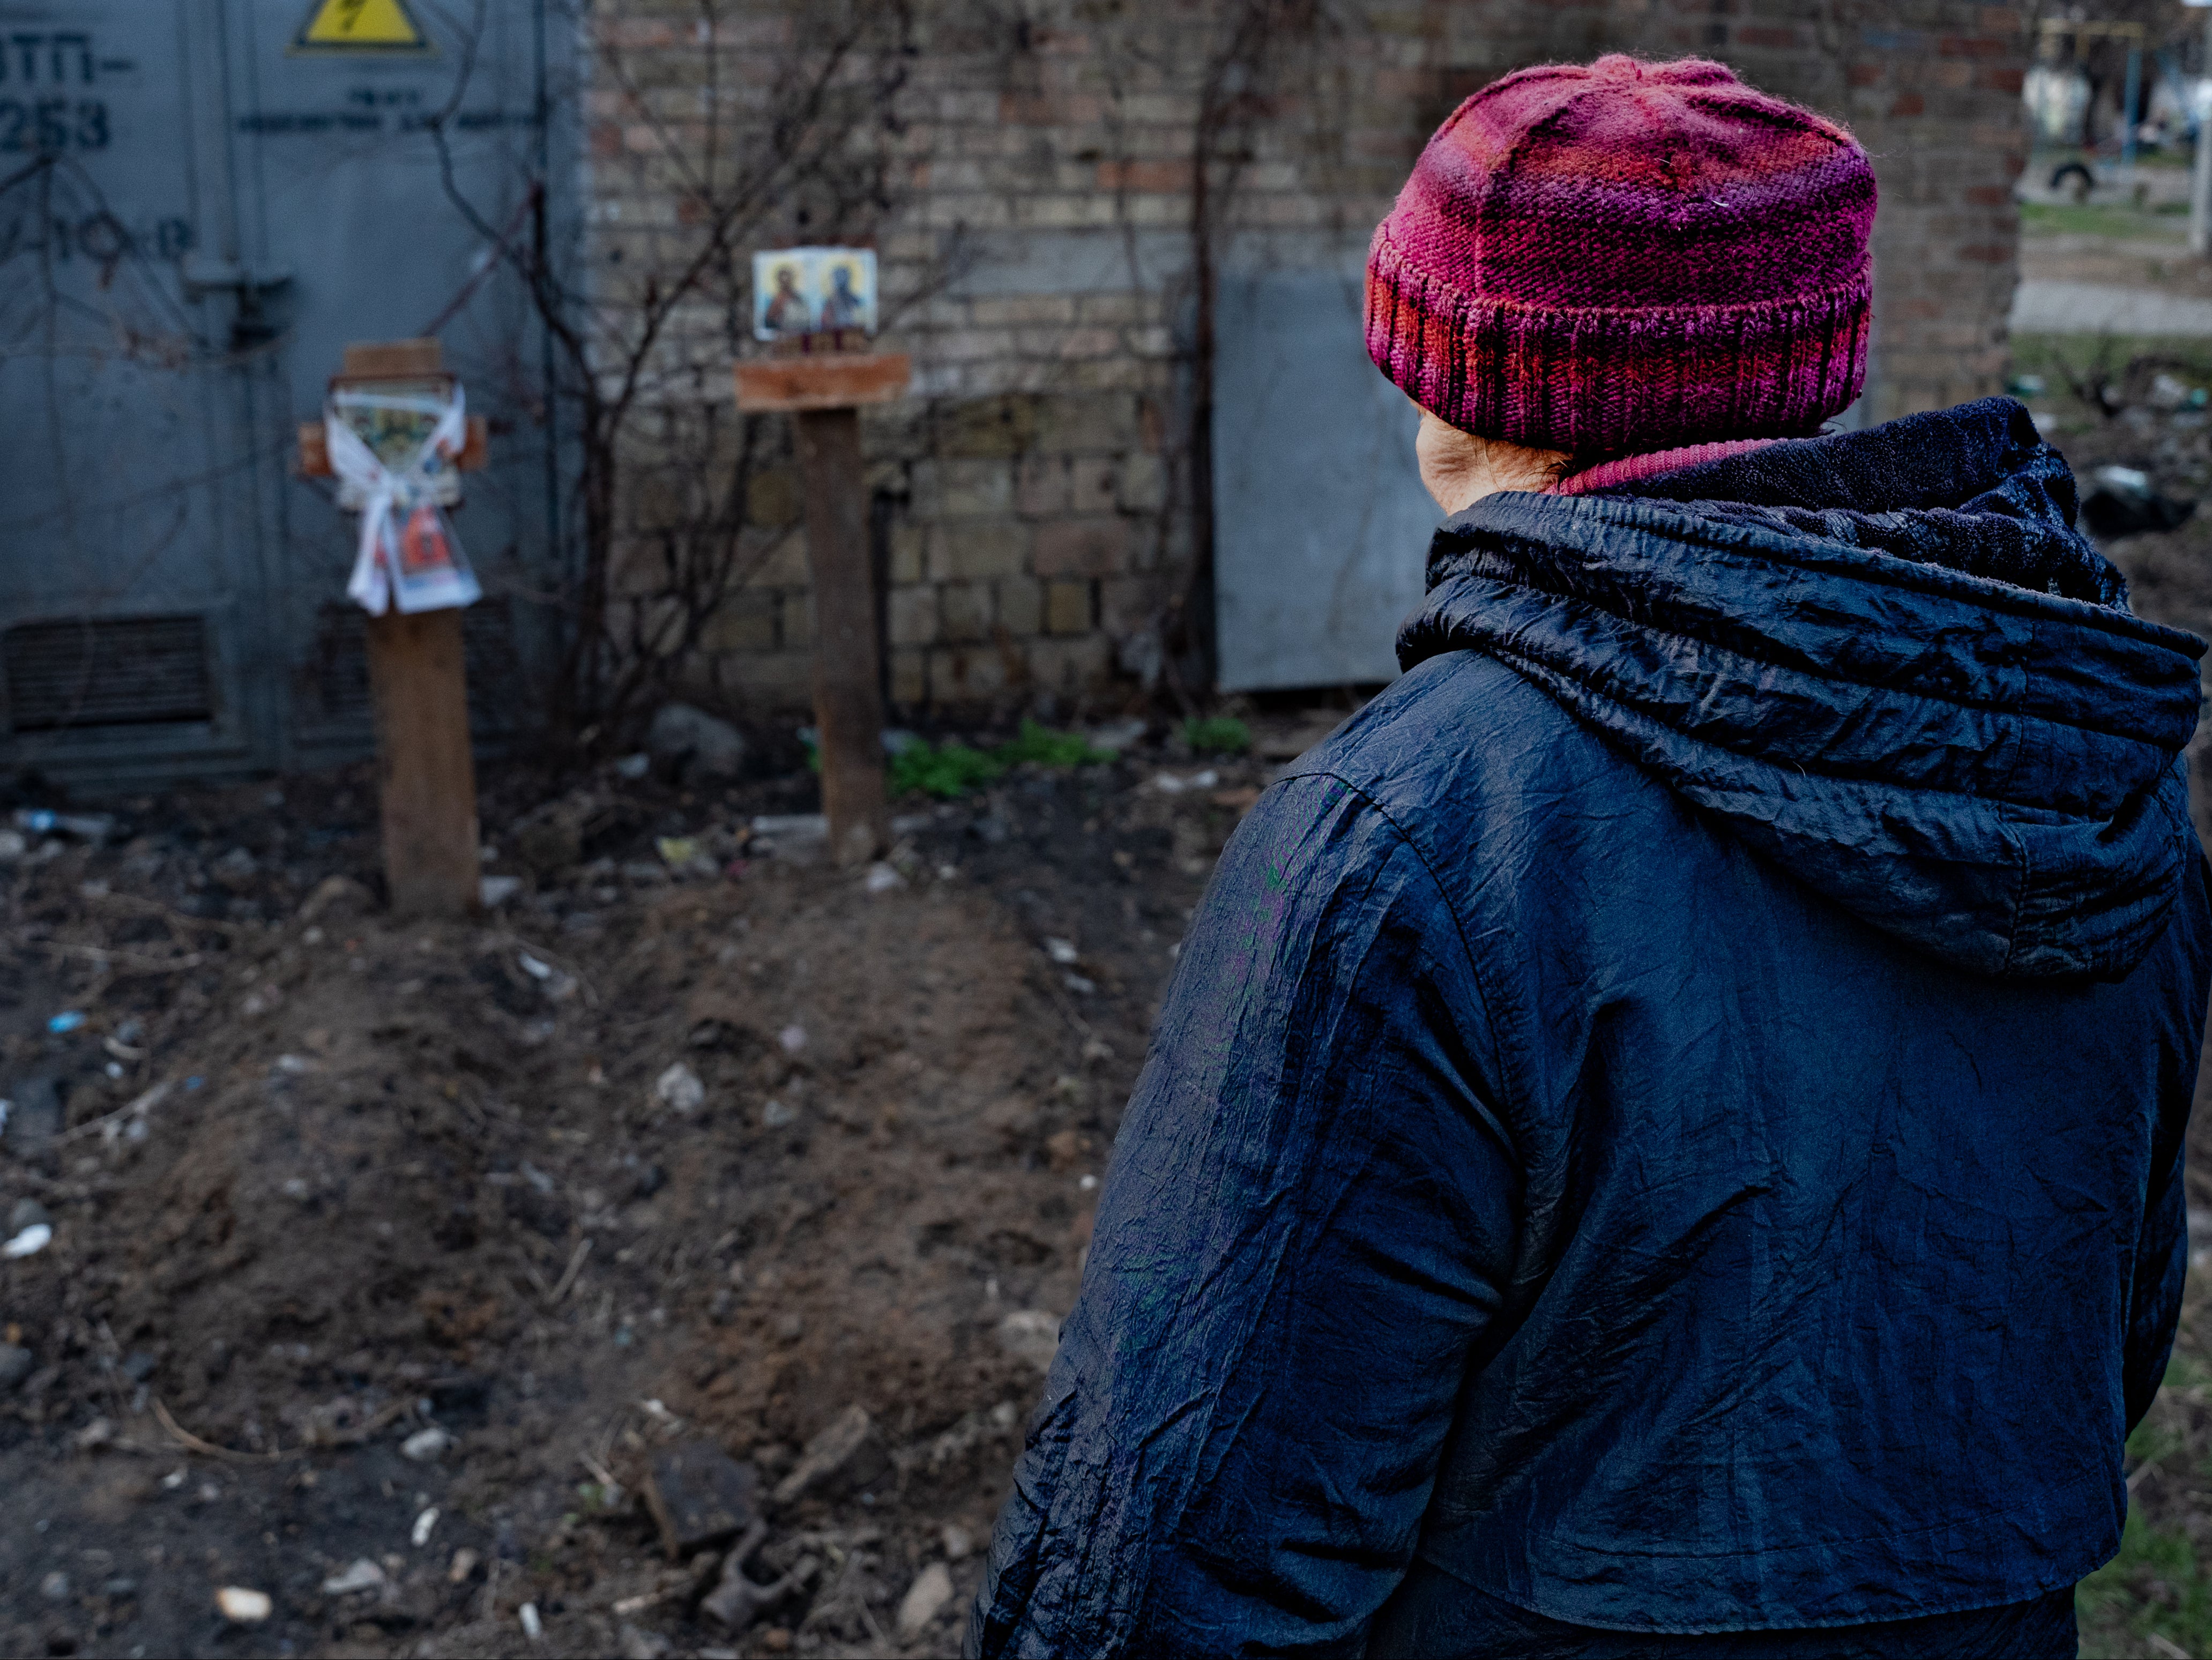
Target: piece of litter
1060	950
6	1107
1088	1183
423	1523
533	968
174	1480
775	1115
426	1446
531	1627
792	1037
363	1575
30	1242
493	891
1079	986
883	878
679	1087
191	1084
634	767
295	1065
68	1020
242	1607
464	1565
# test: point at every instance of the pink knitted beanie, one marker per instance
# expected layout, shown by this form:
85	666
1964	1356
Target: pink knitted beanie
1627	256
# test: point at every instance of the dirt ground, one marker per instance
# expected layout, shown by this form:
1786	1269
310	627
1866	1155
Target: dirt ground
319	1182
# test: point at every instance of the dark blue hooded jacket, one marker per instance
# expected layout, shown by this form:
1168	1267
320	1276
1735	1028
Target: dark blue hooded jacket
1670	1122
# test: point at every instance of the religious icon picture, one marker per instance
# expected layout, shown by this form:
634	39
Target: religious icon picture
849	291
784	293
798	291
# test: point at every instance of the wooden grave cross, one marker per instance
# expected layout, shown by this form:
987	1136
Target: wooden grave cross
418	684
822	392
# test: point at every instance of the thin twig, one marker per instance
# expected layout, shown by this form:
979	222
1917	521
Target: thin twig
568	1274
184	1437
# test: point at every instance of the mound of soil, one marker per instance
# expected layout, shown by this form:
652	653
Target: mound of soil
402	1251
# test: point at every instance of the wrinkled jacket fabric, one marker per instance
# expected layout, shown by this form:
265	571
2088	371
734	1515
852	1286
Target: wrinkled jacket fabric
1671	1121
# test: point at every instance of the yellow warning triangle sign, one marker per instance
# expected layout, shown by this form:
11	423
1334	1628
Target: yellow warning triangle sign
360	26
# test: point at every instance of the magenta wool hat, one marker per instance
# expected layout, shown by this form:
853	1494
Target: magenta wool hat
1627	256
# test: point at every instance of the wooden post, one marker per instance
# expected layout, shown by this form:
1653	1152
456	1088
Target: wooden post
822	392
849	703
426	773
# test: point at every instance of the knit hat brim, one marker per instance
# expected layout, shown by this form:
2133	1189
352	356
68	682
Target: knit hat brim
1602	382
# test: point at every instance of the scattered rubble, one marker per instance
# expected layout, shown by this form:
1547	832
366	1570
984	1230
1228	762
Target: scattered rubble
847	1456
700	1497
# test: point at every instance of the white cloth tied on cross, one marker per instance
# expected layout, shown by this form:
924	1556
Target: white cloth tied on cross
409	558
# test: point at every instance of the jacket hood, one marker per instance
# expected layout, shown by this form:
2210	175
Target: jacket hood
1886	660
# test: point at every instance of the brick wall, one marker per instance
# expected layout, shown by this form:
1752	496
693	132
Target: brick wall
1034	222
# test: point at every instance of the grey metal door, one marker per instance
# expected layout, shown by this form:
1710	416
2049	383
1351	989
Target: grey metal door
135	476
205	202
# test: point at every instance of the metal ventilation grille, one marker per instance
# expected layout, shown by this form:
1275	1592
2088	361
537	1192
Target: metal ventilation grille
338	668
107	672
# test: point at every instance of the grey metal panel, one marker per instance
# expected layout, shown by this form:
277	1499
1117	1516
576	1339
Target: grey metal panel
196	220
122	486
1322	525
346	194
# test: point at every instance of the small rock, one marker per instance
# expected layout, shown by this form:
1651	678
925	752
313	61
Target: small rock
15	1364
55	1587
1030	1335
493	891
640	1645
792	1037
631	768
649	1181
532	1627
12	846
363	1575
776	1116
931	1590
242	1607
679	1087
423	1524
235	870
700	1497
883	879
28	1243
426	1446
691	747
991	829
848	1454
959	1543
736	1601
1117	736
1061	951
463	1564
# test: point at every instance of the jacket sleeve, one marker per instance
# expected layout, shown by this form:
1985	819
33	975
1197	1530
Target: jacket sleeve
1309	1215
2162	1251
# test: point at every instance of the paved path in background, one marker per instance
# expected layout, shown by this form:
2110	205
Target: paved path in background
2042	306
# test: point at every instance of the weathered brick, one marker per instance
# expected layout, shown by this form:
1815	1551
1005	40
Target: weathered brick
1021	605
964	611
1067	608
1095	546
744	621
911	613
964	550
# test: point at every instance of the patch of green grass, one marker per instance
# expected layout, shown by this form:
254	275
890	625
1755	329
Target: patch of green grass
947	772
950	771
1220	734
2114	219
2154	1584
1049	748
